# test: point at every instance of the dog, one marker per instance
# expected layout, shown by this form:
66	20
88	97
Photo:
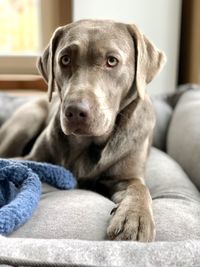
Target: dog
99	120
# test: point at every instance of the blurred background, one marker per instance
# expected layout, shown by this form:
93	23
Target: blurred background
27	25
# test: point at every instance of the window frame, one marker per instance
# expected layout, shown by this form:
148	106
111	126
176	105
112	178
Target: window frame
58	13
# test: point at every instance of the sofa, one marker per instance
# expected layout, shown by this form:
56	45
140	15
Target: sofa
68	228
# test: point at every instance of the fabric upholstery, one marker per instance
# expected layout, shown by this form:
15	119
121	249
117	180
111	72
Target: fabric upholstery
85	214
8	104
163	113
74	214
176	201
183	142
79	253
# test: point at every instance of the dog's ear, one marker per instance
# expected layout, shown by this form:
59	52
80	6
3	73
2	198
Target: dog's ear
45	63
148	60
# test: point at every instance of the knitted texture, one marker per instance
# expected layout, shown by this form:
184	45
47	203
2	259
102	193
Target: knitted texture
20	189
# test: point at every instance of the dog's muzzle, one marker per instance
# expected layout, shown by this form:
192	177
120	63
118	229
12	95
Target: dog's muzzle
78	116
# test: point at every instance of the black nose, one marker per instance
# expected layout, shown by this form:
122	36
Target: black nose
78	112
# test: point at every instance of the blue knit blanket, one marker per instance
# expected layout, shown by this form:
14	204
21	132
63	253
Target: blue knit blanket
20	189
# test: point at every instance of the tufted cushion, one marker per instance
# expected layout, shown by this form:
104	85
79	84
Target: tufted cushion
184	134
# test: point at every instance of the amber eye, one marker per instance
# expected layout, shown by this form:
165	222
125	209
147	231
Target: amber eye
112	61
65	60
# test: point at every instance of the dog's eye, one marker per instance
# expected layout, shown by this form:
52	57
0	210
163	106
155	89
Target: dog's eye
112	61
65	60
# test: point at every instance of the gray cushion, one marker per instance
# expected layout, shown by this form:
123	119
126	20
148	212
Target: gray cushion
8	104
80	214
176	201
41	252
184	134
163	113
73	214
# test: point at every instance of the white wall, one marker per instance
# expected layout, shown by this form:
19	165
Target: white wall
158	19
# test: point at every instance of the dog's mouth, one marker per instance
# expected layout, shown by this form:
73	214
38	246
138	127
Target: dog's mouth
90	127
77	129
83	130
80	131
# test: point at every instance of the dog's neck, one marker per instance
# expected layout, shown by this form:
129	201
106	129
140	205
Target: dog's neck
79	142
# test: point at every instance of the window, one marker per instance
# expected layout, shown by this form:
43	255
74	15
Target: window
19	27
25	29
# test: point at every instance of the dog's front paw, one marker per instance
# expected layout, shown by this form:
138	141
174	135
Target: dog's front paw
131	224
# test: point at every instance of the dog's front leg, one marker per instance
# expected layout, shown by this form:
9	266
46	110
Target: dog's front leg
133	217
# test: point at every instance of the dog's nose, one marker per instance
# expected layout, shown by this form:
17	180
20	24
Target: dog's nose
78	112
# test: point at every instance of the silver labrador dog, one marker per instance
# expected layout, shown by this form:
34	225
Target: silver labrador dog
99	121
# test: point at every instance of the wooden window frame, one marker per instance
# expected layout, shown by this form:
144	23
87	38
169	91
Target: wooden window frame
20	72
189	62
22	82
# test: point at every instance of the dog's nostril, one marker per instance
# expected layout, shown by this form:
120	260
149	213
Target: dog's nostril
69	114
82	114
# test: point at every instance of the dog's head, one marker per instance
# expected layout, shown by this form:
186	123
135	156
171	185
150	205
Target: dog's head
97	68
